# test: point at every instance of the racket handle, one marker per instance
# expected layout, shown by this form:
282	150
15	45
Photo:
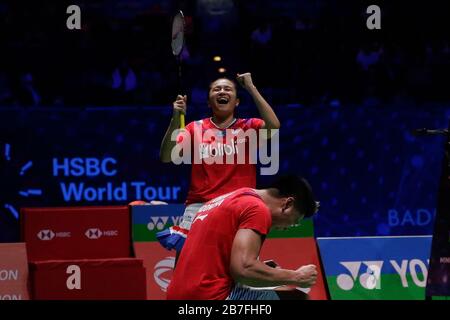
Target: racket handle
182	121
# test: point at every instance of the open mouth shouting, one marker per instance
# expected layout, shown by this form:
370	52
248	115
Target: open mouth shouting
223	100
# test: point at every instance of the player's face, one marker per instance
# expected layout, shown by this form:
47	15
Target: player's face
292	218
289	217
223	97
297	218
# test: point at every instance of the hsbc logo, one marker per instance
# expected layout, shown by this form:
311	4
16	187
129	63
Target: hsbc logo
95	233
46	235
163	268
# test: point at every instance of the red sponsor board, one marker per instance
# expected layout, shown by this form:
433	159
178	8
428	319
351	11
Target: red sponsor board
99	279
13	272
291	254
158	263
76	232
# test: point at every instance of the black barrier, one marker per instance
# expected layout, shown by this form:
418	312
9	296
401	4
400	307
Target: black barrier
438	284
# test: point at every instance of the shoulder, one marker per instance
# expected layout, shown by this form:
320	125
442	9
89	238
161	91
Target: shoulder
247	198
252	212
197	124
247	123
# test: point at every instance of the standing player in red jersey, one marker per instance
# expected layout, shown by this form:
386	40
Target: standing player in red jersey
209	180
220	257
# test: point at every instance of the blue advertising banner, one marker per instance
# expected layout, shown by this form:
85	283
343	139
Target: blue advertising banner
386	268
147	220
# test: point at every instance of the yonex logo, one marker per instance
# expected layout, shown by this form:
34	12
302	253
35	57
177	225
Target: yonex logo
46	235
414	269
161	268
370	279
93	233
159	223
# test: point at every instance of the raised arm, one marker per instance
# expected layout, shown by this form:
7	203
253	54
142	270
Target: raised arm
245	267
179	106
265	110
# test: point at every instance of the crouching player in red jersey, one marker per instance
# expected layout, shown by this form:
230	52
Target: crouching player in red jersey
212	174
220	257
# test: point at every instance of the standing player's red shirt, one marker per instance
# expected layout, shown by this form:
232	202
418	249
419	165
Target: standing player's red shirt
203	269
210	180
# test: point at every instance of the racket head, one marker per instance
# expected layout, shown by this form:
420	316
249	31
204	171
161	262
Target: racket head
178	25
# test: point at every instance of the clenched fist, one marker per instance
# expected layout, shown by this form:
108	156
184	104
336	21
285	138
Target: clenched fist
179	105
245	80
306	276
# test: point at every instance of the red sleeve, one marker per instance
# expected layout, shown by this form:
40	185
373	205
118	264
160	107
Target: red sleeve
256	123
254	215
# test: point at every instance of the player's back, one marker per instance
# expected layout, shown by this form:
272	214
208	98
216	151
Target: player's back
202	271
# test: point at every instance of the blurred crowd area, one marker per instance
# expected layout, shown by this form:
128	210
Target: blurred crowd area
299	52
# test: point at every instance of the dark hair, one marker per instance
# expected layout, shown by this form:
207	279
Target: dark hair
298	188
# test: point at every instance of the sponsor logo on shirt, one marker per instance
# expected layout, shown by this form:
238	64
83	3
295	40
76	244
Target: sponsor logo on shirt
217	150
200	217
230	146
214	203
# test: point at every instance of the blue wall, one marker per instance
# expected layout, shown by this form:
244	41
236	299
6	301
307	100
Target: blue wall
370	174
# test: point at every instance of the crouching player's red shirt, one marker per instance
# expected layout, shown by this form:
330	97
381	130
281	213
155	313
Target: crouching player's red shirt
203	269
